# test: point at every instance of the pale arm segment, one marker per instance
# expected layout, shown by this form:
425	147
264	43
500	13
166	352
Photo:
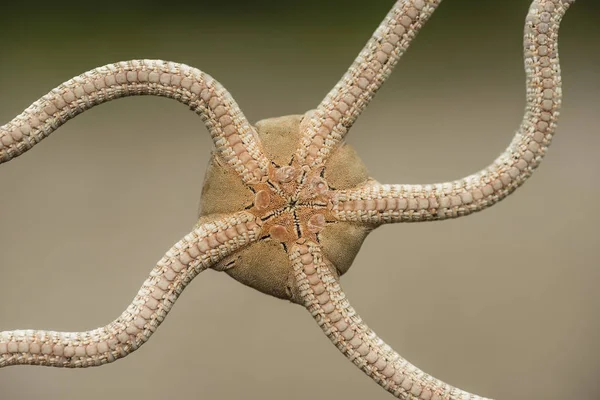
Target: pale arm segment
200	249
321	293
236	142
376	203
332	119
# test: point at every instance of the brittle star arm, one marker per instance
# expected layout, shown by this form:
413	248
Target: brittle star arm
234	137
203	248
377	203
320	291
332	119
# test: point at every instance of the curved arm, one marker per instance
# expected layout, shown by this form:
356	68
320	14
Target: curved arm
200	249
323	297
234	137
332	119
376	203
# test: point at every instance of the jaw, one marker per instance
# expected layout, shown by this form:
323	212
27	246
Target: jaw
265	265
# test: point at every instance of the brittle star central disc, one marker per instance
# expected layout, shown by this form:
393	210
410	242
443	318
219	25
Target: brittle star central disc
294	204
286	205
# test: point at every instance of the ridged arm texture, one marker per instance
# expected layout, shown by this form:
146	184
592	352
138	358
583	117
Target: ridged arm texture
200	249
232	134
373	203
327	303
286	204
343	104
378	203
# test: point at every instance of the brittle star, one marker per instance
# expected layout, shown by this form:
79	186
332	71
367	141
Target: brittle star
286	204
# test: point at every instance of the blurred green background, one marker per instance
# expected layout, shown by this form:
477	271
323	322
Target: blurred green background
503	303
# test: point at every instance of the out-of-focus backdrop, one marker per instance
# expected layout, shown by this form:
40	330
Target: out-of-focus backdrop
504	303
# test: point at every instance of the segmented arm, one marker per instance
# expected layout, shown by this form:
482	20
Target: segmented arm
323	297
332	119
202	248
234	137
376	203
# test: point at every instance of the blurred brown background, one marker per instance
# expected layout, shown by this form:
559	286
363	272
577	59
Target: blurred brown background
504	303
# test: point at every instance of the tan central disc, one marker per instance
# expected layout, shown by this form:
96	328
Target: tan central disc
265	264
